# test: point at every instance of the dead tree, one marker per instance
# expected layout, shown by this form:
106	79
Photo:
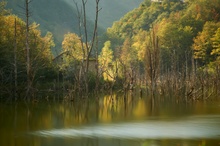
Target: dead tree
28	63
15	60
152	60
96	41
88	47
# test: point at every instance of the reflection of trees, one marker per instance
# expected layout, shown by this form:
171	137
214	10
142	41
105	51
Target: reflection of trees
20	118
47	116
33	117
109	108
118	108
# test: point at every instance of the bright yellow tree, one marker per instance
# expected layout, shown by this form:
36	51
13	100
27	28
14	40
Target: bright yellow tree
105	62
216	44
72	46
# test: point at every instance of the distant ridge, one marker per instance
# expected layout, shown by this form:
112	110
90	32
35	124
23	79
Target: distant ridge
59	16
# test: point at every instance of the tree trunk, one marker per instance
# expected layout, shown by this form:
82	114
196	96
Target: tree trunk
88	46
153	60
15	61
97	66
27	14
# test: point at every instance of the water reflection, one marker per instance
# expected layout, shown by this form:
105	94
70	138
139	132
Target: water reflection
111	120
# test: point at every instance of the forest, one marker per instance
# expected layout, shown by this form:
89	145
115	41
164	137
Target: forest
166	48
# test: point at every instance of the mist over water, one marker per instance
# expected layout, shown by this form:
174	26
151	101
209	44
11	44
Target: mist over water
196	127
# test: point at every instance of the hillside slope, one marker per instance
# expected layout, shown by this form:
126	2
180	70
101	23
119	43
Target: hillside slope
59	16
182	30
111	10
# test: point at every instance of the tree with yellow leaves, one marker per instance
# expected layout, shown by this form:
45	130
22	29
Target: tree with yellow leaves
203	47
216	44
105	62
72	46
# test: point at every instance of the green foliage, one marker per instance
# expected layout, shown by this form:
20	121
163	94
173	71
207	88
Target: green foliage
140	44
128	54
72	46
55	16
69	60
176	40
182	28
40	48
3	11
92	81
60	16
216	44
203	45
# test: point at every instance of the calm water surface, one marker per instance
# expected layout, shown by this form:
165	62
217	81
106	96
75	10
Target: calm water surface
110	121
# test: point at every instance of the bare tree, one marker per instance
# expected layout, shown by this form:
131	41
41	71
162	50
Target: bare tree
28	63
152	59
95	39
88	47
15	60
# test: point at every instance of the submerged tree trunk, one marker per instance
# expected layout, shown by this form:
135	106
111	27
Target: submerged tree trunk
95	39
28	63
152	59
15	61
97	65
88	47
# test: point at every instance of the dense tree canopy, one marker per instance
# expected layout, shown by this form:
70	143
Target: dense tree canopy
185	29
149	42
12	30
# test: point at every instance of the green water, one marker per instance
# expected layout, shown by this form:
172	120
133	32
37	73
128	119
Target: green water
110	121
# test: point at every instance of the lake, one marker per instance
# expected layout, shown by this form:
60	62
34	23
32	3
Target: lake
110	121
